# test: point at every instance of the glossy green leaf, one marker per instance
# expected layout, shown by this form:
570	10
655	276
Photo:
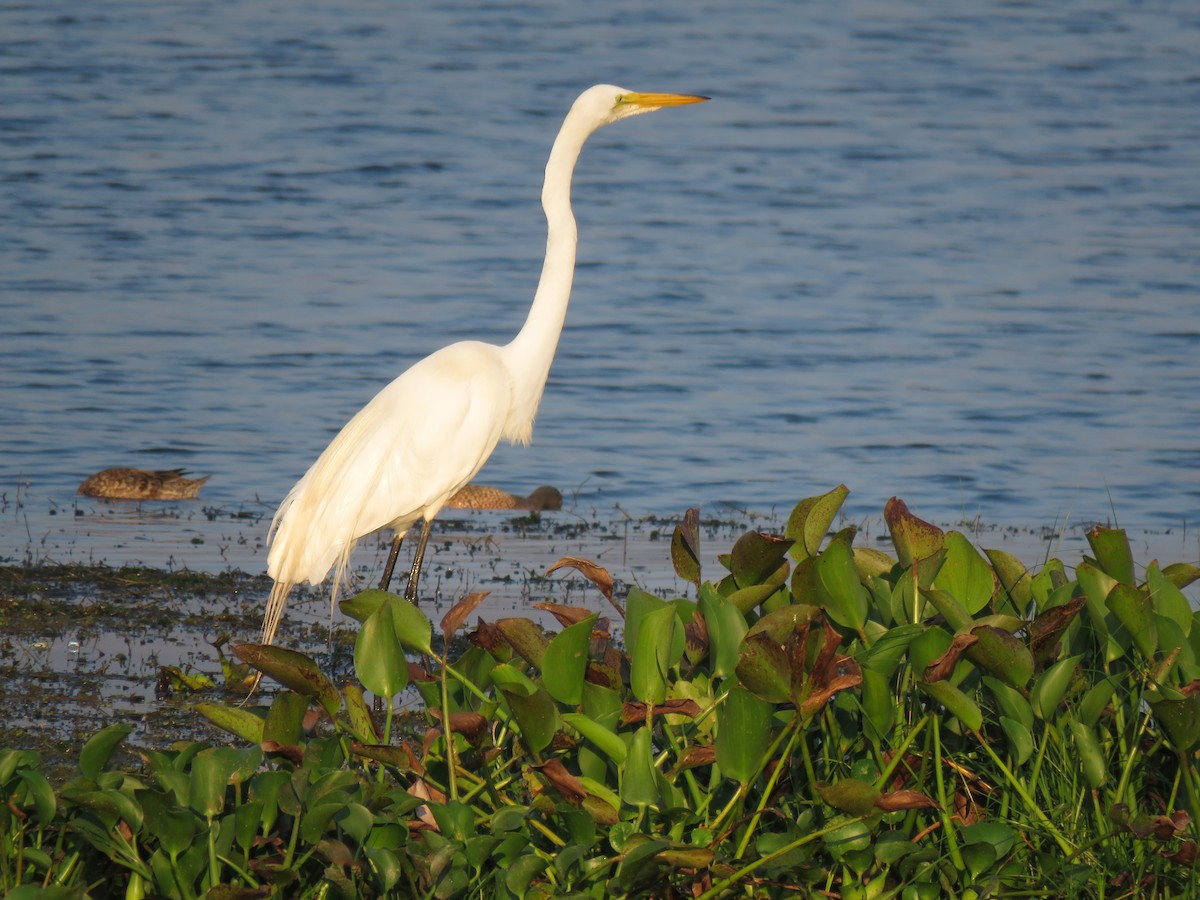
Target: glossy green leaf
726	628
285	719
612	746
536	712
245	723
38	790
1012	703
174	828
842	594
879	706
951	610
1020	739
810	520
1089	753
1002	654
1180	719
956	702
743	734
566	661
358	715
1132	609
1167	599
1111	548
757	558
886	652
379	659
413	628
650	655
292	670
209	780
927	646
1051	685
94	756
1014	577
850	795
966	575
639	778
764	667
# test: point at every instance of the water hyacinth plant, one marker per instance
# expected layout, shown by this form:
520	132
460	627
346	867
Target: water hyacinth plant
821	719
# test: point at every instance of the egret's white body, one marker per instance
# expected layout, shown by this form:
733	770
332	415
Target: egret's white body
427	434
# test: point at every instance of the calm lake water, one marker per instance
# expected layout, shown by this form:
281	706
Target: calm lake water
943	250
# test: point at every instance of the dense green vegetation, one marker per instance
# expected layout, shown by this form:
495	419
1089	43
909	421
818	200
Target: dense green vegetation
821	720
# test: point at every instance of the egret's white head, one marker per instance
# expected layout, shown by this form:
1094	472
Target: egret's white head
607	103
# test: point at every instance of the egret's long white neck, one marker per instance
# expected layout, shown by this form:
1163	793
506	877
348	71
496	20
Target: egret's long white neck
531	352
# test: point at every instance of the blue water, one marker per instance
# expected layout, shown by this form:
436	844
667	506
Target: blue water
948	251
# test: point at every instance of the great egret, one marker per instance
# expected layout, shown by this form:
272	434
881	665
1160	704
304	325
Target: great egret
483	496
141	484
426	435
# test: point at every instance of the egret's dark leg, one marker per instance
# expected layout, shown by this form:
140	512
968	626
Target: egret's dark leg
391	562
414	576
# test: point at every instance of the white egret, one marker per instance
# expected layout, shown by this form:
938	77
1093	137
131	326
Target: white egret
426	435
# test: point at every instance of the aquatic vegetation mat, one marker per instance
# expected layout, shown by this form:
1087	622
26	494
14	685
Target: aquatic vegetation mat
821	720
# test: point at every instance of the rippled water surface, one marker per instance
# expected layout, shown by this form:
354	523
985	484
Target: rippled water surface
945	250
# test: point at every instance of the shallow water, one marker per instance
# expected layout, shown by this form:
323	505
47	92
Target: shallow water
940	250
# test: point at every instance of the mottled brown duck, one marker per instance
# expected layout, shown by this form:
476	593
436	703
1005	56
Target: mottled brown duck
482	496
141	484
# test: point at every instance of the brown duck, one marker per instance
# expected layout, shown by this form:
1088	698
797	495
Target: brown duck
482	496
140	484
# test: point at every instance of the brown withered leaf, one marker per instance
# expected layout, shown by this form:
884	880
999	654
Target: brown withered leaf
913	538
942	667
1047	628
291	752
490	638
596	574
1186	855
685	547
569	787
458	613
401	757
1192	687
470	725
905	799
822	694
695	756
566	615
695	636
634	711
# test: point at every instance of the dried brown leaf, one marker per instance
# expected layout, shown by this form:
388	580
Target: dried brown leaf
942	667
458	613
569	787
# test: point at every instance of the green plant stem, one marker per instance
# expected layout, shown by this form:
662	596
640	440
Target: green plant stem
769	789
1127	769
1030	803
944	804
745	870
447	731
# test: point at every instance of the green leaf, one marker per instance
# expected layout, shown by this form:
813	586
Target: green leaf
1000	653
879	707
292	670
608	742
209	779
1167	599
412	626
1012	702
1013	575
639	778
379	659
885	654
1111	548
726	628
810	521
38	789
285	720
1180	719
1090	754
956	702
94	756
764	667
965	574
850	795
565	662
743	734
1132	608
843	595
757	557
172	827
245	723
536	713
1050	686
1020	739
650	654
362	726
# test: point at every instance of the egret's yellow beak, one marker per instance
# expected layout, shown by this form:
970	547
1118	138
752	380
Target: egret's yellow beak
656	101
